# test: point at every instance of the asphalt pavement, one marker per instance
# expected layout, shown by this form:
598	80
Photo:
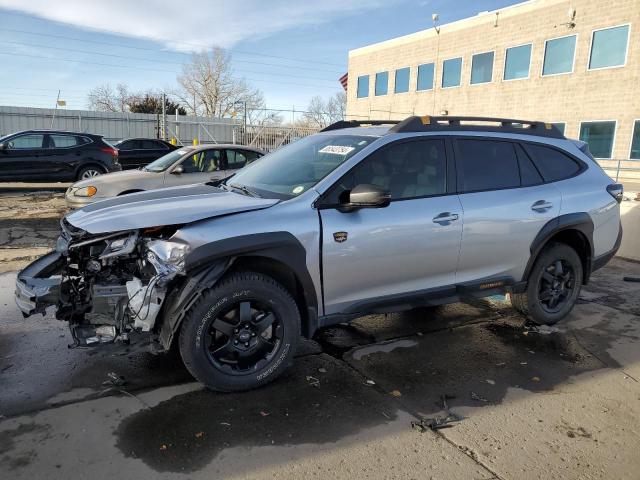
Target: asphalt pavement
462	391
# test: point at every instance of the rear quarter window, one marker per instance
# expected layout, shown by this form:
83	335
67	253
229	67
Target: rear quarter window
552	164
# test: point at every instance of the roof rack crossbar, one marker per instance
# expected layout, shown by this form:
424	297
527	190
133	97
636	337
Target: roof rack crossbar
357	123
506	125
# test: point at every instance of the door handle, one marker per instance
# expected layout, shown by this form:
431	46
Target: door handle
541	206
445	217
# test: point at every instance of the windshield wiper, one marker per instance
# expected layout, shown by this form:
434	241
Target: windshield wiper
246	190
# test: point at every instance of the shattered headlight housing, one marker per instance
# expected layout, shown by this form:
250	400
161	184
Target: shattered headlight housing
120	246
167	256
89	191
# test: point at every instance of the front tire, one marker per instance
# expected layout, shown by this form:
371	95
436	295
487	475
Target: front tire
553	286
240	334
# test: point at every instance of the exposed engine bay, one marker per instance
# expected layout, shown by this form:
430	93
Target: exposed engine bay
109	287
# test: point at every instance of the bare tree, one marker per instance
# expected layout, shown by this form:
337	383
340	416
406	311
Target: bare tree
104	98
209	87
321	113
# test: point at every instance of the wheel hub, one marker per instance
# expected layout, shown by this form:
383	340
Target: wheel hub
244	338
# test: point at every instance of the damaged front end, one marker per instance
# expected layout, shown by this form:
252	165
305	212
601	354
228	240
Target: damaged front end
109	287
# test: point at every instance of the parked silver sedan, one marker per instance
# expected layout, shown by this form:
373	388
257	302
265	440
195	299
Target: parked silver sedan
184	166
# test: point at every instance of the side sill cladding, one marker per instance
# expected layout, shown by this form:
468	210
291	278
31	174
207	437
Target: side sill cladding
580	221
282	247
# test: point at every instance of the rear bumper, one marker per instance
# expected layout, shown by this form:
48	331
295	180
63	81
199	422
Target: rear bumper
38	285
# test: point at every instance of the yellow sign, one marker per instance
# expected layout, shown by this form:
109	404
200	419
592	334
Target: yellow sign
196	142
62	103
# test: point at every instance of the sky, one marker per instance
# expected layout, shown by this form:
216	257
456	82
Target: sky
291	50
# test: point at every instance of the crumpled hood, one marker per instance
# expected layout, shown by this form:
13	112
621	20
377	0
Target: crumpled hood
166	206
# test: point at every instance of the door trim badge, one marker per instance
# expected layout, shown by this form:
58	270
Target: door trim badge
340	236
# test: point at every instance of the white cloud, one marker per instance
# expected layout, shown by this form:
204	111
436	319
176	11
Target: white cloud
191	24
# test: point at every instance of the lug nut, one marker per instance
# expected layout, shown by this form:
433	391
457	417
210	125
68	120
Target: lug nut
235	342
253	334
246	344
235	330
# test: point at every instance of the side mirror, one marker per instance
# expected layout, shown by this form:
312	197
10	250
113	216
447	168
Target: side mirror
3	146
368	196
179	170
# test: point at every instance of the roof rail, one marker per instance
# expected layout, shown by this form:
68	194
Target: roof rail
505	125
357	123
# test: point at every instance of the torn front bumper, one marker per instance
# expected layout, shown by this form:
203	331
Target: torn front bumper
38	285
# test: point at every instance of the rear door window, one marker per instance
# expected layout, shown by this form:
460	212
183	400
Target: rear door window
63	141
486	165
552	164
236	159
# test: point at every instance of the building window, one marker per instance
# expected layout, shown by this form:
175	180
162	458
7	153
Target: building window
382	83
451	72
425	76
517	62
635	141
402	80
560	126
363	86
558	55
599	136
609	47
481	68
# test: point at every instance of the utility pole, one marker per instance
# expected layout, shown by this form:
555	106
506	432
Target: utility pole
163	124
53	117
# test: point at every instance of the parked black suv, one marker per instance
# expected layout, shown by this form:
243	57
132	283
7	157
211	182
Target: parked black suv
48	155
140	152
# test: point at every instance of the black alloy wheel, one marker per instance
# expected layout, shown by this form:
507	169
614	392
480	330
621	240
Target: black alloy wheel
241	333
556	286
243	337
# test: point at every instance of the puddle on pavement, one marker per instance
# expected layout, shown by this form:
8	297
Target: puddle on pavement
557	344
474	365
319	400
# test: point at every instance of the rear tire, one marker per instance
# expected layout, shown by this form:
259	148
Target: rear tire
553	286
90	171
240	334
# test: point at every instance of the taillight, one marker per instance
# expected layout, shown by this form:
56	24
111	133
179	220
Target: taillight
616	191
110	150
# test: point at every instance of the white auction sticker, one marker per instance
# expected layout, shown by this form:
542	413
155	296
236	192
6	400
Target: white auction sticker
298	189
337	149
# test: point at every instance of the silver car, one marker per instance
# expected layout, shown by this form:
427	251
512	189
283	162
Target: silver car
354	220
184	166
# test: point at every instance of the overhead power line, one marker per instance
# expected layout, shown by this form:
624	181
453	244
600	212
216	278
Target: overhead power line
200	46
143	59
130	67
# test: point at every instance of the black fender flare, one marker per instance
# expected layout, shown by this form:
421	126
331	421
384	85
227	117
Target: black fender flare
580	221
206	264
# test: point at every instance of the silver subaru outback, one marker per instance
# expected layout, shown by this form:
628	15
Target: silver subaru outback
361	218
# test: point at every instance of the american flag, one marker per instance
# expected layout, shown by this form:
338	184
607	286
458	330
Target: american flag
344	80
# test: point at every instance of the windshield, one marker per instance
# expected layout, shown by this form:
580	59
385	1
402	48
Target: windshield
296	168
164	162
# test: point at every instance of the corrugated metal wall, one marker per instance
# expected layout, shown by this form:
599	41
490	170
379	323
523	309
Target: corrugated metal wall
116	126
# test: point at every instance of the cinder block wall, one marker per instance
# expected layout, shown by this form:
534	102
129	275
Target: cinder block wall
608	94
